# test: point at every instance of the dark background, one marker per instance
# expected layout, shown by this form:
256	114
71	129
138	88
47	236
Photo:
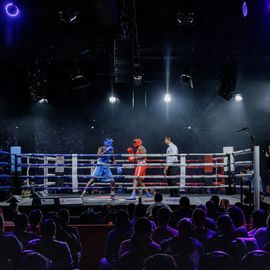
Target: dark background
78	120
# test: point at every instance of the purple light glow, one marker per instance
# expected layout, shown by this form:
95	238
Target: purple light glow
12	10
245	9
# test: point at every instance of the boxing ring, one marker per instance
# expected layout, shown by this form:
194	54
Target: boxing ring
64	176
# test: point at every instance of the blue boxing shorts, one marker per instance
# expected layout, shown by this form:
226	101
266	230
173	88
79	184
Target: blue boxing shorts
103	173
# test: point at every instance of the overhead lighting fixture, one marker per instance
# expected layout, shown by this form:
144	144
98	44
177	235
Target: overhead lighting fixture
79	82
238	98
186	18
43	101
113	99
245	9
167	98
68	16
187	79
12	10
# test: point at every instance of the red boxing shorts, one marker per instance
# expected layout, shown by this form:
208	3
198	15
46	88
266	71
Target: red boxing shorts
140	170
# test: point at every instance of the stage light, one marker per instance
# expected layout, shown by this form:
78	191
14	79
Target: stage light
186	18
167	98
43	101
245	9
12	10
189	127
238	98
113	99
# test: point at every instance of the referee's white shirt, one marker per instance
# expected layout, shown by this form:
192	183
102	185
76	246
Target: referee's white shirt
172	150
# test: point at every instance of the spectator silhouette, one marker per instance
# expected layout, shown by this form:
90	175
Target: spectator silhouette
55	250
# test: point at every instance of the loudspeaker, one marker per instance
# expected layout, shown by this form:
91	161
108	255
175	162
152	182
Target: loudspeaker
123	61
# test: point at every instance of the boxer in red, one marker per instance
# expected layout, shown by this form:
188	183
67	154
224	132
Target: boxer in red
139	170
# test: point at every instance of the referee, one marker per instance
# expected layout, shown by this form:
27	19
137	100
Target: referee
172	170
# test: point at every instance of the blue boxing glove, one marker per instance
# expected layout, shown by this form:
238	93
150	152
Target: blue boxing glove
119	170
108	150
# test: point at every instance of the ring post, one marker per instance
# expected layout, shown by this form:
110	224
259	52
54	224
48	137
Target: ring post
74	173
256	160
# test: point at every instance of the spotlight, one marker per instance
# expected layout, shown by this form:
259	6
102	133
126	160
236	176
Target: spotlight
245	9
186	18
113	99
189	127
12	10
238	98
167	98
43	101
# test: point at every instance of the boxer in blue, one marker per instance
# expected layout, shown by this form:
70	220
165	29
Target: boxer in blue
102	171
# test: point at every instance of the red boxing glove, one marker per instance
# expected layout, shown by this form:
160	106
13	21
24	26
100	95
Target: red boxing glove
130	150
131	159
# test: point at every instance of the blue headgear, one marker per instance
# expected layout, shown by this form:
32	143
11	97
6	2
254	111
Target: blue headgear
108	142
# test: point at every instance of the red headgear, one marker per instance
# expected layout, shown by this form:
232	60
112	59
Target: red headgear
137	143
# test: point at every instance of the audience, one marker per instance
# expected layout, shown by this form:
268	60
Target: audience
140	211
21	223
200	232
188	250
163	231
55	250
123	230
262	235
141	239
158	202
239	222
223	241
35	261
160	261
138	242
10	246
35	218
134	251
64	216
258	220
184	211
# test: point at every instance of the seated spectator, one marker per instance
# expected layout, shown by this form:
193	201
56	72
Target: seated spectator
141	240
55	250
163	231
140	211
216	201
131	210
239	221
160	261
258	220
123	230
223	241
10	246
224	204
158	202
212	210
11	211
35	218
262	235
64	216
188	249
155	214
184	211
209	222
134	251
63	236
34	260
90	217
21	223
200	232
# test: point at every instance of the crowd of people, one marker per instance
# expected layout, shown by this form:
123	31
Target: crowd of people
37	241
207	237
210	236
